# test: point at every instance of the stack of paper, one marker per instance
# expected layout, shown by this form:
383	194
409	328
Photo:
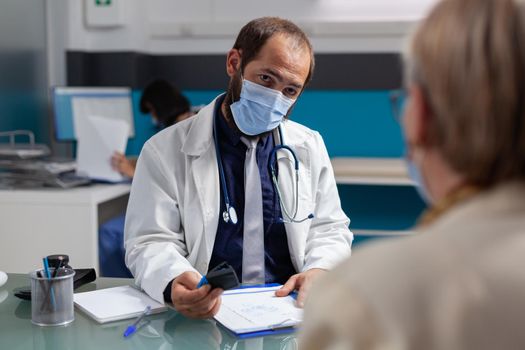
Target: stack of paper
252	310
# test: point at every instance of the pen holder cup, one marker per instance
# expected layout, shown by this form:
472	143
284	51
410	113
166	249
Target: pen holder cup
52	298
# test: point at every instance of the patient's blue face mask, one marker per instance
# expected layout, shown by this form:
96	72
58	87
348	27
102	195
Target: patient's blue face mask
259	109
399	100
414	171
415	175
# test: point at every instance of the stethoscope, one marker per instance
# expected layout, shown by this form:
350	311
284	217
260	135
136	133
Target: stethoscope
230	214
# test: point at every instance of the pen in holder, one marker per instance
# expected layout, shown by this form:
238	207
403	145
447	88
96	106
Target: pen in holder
51	294
52	297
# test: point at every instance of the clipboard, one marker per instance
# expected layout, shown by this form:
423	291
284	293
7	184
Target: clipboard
255	311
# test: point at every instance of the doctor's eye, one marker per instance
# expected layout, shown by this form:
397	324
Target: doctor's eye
290	92
265	78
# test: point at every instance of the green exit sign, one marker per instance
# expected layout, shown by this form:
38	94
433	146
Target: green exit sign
103	2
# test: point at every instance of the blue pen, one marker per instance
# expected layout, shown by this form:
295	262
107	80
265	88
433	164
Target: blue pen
202	282
48	275
132	328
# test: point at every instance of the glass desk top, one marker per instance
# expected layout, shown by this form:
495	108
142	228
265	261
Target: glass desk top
168	330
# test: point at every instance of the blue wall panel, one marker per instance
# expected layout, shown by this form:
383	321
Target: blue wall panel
23	110
353	124
381	207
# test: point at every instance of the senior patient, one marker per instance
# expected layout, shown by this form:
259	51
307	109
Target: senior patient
460	282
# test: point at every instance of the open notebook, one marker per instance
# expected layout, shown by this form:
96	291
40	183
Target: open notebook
118	303
257	311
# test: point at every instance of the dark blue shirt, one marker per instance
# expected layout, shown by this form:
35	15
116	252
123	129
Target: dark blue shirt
229	238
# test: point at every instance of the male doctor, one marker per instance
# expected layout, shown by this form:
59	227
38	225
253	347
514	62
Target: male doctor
204	193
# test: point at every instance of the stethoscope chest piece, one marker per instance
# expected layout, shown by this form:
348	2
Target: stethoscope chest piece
230	215
233	215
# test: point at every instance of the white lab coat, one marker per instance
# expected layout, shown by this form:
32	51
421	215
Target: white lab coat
174	205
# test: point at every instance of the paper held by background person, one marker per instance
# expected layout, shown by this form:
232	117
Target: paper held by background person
114	104
98	138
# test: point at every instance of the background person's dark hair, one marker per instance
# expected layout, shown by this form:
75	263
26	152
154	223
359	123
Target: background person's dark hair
166	100
256	33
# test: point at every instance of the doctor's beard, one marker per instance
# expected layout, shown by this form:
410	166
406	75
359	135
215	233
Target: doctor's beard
233	95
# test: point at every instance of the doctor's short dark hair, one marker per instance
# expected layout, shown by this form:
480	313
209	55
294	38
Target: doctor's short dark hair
166	101
256	33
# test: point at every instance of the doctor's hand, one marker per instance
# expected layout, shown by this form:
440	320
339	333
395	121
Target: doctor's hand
192	302
300	282
123	165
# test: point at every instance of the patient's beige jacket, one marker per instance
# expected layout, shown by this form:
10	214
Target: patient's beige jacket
458	284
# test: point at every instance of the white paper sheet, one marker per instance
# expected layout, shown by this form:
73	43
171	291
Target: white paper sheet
118	303
115	108
98	138
257	309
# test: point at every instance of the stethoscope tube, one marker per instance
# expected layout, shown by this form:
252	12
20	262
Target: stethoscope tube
230	214
273	160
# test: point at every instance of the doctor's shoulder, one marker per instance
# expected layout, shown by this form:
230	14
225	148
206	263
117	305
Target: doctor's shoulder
172	137
297	134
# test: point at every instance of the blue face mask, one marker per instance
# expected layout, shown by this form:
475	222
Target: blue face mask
415	175
157	124
259	109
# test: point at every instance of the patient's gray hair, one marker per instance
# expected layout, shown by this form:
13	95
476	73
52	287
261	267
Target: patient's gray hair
468	56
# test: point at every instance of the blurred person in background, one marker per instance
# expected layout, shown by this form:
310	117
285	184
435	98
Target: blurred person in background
459	283
166	105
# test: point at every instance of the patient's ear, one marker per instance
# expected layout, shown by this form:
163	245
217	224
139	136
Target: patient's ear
233	62
416	120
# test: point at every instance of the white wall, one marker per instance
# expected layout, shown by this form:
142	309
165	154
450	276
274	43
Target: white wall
210	26
301	10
